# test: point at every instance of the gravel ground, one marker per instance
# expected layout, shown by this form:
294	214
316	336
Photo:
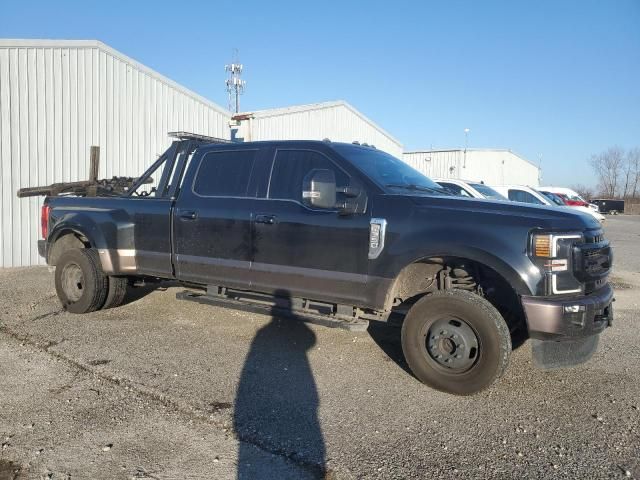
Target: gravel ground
624	232
165	389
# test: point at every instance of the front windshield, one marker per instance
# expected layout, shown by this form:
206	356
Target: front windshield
488	192
388	171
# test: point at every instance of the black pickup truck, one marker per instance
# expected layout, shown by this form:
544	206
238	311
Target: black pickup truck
346	234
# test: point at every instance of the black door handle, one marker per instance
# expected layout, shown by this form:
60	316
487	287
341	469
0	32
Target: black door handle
268	219
189	215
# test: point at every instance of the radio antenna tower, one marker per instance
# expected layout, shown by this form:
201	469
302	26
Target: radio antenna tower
235	85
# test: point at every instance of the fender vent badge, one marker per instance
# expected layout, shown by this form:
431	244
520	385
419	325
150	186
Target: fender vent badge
377	232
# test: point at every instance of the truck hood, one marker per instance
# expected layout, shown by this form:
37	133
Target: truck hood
546	217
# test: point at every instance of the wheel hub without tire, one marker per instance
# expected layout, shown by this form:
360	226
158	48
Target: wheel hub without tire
73	282
452	344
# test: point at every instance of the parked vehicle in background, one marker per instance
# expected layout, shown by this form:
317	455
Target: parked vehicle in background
609	205
343	234
570	197
463	188
561	200
524	194
556	199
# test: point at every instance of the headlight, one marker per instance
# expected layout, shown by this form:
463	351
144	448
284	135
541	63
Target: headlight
553	254
550	245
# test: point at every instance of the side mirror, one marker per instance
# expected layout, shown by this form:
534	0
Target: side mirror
348	207
319	189
350	191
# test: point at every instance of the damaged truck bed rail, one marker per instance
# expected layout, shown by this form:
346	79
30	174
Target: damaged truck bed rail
85	188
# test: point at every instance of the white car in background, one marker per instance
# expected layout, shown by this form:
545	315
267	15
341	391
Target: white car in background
463	188
570	197
524	194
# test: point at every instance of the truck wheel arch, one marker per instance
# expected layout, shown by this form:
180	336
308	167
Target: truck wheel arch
409	279
66	240
419	278
74	231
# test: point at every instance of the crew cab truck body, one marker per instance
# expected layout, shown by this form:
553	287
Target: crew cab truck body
351	229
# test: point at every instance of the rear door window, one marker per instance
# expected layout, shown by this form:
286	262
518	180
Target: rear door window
225	173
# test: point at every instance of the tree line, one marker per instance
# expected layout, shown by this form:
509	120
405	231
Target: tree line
618	174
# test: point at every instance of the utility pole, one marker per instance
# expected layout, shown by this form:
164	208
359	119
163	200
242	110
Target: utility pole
539	168
466	145
235	85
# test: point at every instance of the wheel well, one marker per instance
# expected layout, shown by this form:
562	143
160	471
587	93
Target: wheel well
66	241
443	273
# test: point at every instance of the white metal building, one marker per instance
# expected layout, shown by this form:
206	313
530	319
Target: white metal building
492	166
337	121
57	98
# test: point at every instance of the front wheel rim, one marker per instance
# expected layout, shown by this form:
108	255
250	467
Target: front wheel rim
452	345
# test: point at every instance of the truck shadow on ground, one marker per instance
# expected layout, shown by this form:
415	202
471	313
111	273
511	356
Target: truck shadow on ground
137	293
11	471
388	337
276	405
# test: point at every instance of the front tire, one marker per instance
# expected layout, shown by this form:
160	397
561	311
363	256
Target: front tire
81	284
456	341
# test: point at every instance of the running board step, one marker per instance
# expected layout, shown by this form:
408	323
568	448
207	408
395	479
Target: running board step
280	306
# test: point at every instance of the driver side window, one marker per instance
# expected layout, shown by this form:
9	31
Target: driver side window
291	167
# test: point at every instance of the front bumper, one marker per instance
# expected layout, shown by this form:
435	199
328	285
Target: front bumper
548	319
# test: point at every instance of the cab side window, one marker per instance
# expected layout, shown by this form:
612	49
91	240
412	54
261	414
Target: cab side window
290	167
224	174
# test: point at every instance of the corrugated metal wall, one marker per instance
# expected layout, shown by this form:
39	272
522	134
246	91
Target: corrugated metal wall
337	121
435	164
59	98
493	167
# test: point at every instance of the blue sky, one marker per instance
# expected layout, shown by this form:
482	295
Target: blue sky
556	80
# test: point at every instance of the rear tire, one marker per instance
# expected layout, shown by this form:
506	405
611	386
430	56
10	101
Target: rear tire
81	284
117	292
456	341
